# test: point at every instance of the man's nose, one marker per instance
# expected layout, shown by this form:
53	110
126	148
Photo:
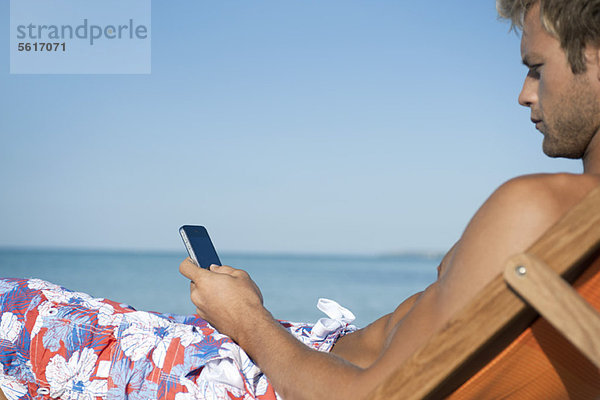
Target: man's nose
528	95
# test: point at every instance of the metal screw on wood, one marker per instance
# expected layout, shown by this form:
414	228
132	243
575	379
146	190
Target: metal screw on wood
521	270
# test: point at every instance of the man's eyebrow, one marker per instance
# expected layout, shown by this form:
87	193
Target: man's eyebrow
528	62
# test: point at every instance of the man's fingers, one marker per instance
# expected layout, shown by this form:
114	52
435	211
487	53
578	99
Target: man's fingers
222	269
190	270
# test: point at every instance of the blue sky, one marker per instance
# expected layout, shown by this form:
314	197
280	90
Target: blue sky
282	126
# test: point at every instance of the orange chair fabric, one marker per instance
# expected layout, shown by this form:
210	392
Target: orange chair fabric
540	363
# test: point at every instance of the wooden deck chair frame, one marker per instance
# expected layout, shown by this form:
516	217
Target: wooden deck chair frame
533	282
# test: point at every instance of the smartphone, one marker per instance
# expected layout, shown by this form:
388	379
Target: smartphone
199	246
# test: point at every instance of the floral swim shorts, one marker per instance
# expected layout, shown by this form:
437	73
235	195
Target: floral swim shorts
56	343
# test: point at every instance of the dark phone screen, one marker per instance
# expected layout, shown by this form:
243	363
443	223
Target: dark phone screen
201	245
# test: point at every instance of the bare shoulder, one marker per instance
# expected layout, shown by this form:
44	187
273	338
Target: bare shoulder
509	222
530	203
549	194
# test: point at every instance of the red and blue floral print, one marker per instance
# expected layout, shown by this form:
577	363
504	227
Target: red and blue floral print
56	343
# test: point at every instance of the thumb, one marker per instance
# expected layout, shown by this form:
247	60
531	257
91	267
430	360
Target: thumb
190	270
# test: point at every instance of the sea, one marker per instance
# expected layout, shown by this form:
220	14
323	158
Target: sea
369	286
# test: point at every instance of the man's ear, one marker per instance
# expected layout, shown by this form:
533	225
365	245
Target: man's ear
594	59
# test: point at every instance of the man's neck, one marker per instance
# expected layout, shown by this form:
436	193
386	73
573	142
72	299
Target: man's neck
591	158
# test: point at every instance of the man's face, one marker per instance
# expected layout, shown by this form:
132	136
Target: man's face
565	107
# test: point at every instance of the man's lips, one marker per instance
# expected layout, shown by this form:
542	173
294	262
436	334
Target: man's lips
537	122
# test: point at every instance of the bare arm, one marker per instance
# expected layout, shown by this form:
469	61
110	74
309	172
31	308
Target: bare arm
231	302
364	346
506	224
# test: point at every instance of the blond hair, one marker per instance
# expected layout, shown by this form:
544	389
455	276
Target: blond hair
575	23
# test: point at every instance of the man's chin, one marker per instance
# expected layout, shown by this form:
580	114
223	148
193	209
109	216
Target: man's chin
554	150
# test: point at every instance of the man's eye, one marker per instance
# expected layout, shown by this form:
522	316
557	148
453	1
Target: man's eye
534	71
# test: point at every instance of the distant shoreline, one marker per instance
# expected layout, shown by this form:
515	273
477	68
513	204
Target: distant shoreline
403	255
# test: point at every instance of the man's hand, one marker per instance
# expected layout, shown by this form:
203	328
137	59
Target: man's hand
224	296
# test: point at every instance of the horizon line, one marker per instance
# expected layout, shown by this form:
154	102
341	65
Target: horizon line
431	254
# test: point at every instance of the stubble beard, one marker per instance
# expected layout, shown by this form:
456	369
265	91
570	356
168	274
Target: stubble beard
570	128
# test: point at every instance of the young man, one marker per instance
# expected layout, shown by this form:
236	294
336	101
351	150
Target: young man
561	47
